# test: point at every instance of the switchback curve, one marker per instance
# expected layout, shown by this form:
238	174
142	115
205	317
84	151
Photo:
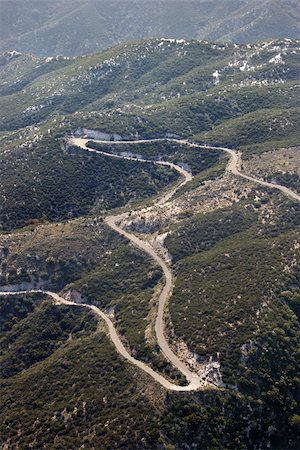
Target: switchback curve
234	164
195	382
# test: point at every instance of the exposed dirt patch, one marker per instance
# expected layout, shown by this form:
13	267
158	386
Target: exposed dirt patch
286	160
214	194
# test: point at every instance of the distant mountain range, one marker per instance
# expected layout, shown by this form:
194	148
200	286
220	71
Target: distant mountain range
155	87
76	27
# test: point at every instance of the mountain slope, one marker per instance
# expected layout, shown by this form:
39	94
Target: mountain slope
73	27
222	94
228	245
149	79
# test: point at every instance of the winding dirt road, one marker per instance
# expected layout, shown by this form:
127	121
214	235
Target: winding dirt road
195	382
113	222
234	165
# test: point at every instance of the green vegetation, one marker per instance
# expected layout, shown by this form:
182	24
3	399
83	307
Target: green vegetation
291	180
258	131
236	293
227	267
212	173
202	232
84	393
49	182
33	332
236	299
286	218
77	391
87	256
225	293
153	88
196	160
226	263
55	254
292	297
15	309
124	284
